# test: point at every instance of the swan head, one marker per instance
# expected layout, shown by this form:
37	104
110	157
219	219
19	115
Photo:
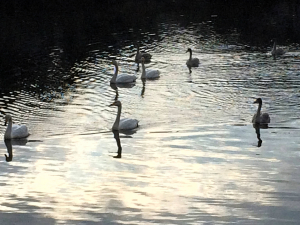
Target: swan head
7	118
259	101
188	50
116	103
114	62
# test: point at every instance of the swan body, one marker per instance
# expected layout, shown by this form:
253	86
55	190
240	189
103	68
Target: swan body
192	62
121	78
259	117
139	55
123	124
277	51
14	131
149	73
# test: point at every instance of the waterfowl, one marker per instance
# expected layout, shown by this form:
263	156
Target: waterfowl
277	51
139	55
14	131
121	78
125	123
258	117
192	62
149	73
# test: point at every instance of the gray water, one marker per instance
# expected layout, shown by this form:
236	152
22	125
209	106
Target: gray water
194	159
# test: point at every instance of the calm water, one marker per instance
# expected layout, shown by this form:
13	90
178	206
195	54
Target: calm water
195	158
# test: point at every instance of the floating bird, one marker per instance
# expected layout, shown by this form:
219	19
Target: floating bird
260	118
192	62
121	78
149	73
14	131
277	51
139	55
123	124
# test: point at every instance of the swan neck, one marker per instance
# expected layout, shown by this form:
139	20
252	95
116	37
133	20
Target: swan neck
114	78
258	113
143	70
190	54
274	46
7	134
117	121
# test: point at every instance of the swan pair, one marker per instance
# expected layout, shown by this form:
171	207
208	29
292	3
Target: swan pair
14	131
127	78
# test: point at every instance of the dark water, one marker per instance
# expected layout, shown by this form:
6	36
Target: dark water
195	158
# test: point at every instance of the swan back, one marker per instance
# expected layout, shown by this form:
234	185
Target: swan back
149	73
128	124
125	78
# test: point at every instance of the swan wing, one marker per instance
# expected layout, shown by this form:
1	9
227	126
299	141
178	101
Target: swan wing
152	74
125	78
280	51
194	62
265	118
128	124
19	131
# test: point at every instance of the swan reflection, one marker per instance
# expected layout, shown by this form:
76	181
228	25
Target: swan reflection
190	69
117	137
257	126
114	86
9	143
144	87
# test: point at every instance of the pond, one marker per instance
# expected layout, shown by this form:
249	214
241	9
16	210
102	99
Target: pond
195	157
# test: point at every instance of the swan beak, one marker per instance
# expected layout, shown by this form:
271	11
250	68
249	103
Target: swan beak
5	123
255	101
112	104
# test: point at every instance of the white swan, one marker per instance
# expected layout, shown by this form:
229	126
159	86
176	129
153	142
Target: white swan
14	131
261	118
277	51
149	73
123	124
121	78
139	55
192	62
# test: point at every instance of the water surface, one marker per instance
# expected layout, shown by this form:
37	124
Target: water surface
195	158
